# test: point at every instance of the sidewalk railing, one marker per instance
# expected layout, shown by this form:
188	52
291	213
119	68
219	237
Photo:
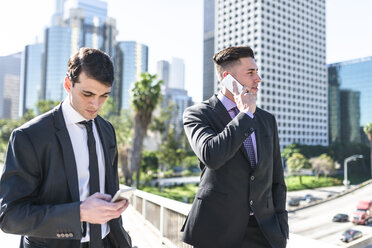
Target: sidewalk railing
164	215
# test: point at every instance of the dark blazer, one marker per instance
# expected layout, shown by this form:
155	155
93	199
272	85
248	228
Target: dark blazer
229	188
39	191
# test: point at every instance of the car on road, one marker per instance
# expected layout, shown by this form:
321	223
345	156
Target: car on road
309	198
340	218
295	201
350	235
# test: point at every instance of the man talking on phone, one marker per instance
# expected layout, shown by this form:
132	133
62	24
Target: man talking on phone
241	197
60	170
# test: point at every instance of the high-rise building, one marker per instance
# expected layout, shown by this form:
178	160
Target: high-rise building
344	111
350	116
177	74
163	72
134	62
83	23
57	52
288	38
209	82
334	107
177	96
10	69
356	75
180	98
31	77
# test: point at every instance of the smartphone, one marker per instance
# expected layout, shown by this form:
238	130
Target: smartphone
228	80
123	194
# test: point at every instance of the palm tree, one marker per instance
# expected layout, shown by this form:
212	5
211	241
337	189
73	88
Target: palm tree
368	131
144	98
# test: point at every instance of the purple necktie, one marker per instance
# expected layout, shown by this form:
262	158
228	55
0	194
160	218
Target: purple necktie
248	144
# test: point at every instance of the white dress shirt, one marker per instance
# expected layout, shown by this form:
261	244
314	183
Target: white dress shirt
79	139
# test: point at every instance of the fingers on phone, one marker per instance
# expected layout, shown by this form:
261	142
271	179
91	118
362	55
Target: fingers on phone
235	88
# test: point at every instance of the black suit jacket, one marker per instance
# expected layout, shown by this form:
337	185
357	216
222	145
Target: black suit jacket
39	191
229	188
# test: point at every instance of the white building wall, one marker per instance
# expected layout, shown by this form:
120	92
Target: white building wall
288	38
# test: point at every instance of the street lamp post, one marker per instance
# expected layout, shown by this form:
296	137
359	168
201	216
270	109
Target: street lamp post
347	160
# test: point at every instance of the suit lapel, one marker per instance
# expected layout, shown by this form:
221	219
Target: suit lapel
220	110
258	133
67	152
109	176
225	118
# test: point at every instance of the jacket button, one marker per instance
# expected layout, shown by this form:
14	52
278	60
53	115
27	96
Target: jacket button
252	129
58	235
251	202
71	235
252	178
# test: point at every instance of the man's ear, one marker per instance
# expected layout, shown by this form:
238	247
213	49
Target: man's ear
224	73
67	84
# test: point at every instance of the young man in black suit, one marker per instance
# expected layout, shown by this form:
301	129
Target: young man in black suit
60	170
241	197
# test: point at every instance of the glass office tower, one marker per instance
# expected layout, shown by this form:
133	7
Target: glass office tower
134	62
31	77
356	75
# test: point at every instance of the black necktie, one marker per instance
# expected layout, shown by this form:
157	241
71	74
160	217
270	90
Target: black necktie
95	229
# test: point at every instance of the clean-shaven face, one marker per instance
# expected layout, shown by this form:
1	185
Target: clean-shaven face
246	72
87	95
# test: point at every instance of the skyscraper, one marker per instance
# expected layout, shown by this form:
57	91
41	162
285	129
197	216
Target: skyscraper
84	23
209	82
344	111
31	77
134	62
350	116
356	75
288	38
10	68
177	74
163	72
176	94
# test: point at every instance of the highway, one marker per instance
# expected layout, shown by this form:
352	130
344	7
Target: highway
316	222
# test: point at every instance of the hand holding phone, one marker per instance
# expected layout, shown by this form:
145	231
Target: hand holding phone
123	194
228	80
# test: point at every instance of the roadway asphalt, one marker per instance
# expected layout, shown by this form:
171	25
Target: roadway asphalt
316	222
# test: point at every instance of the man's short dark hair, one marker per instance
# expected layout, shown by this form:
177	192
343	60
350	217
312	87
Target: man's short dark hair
95	63
230	56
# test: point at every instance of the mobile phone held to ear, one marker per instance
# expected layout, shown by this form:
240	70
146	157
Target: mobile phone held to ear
228	80
121	194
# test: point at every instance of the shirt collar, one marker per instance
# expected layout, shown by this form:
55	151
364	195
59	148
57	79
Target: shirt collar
227	103
70	114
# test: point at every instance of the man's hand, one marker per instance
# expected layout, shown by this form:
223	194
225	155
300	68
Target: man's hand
97	209
245	100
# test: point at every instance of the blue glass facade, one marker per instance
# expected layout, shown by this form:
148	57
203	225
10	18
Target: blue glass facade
84	24
58	41
135	62
32	76
356	75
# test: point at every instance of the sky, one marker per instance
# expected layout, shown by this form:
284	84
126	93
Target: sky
174	28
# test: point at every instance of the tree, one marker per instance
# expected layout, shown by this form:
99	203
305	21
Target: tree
45	105
368	131
150	161
171	153
322	164
296	163
144	97
123	124
289	150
